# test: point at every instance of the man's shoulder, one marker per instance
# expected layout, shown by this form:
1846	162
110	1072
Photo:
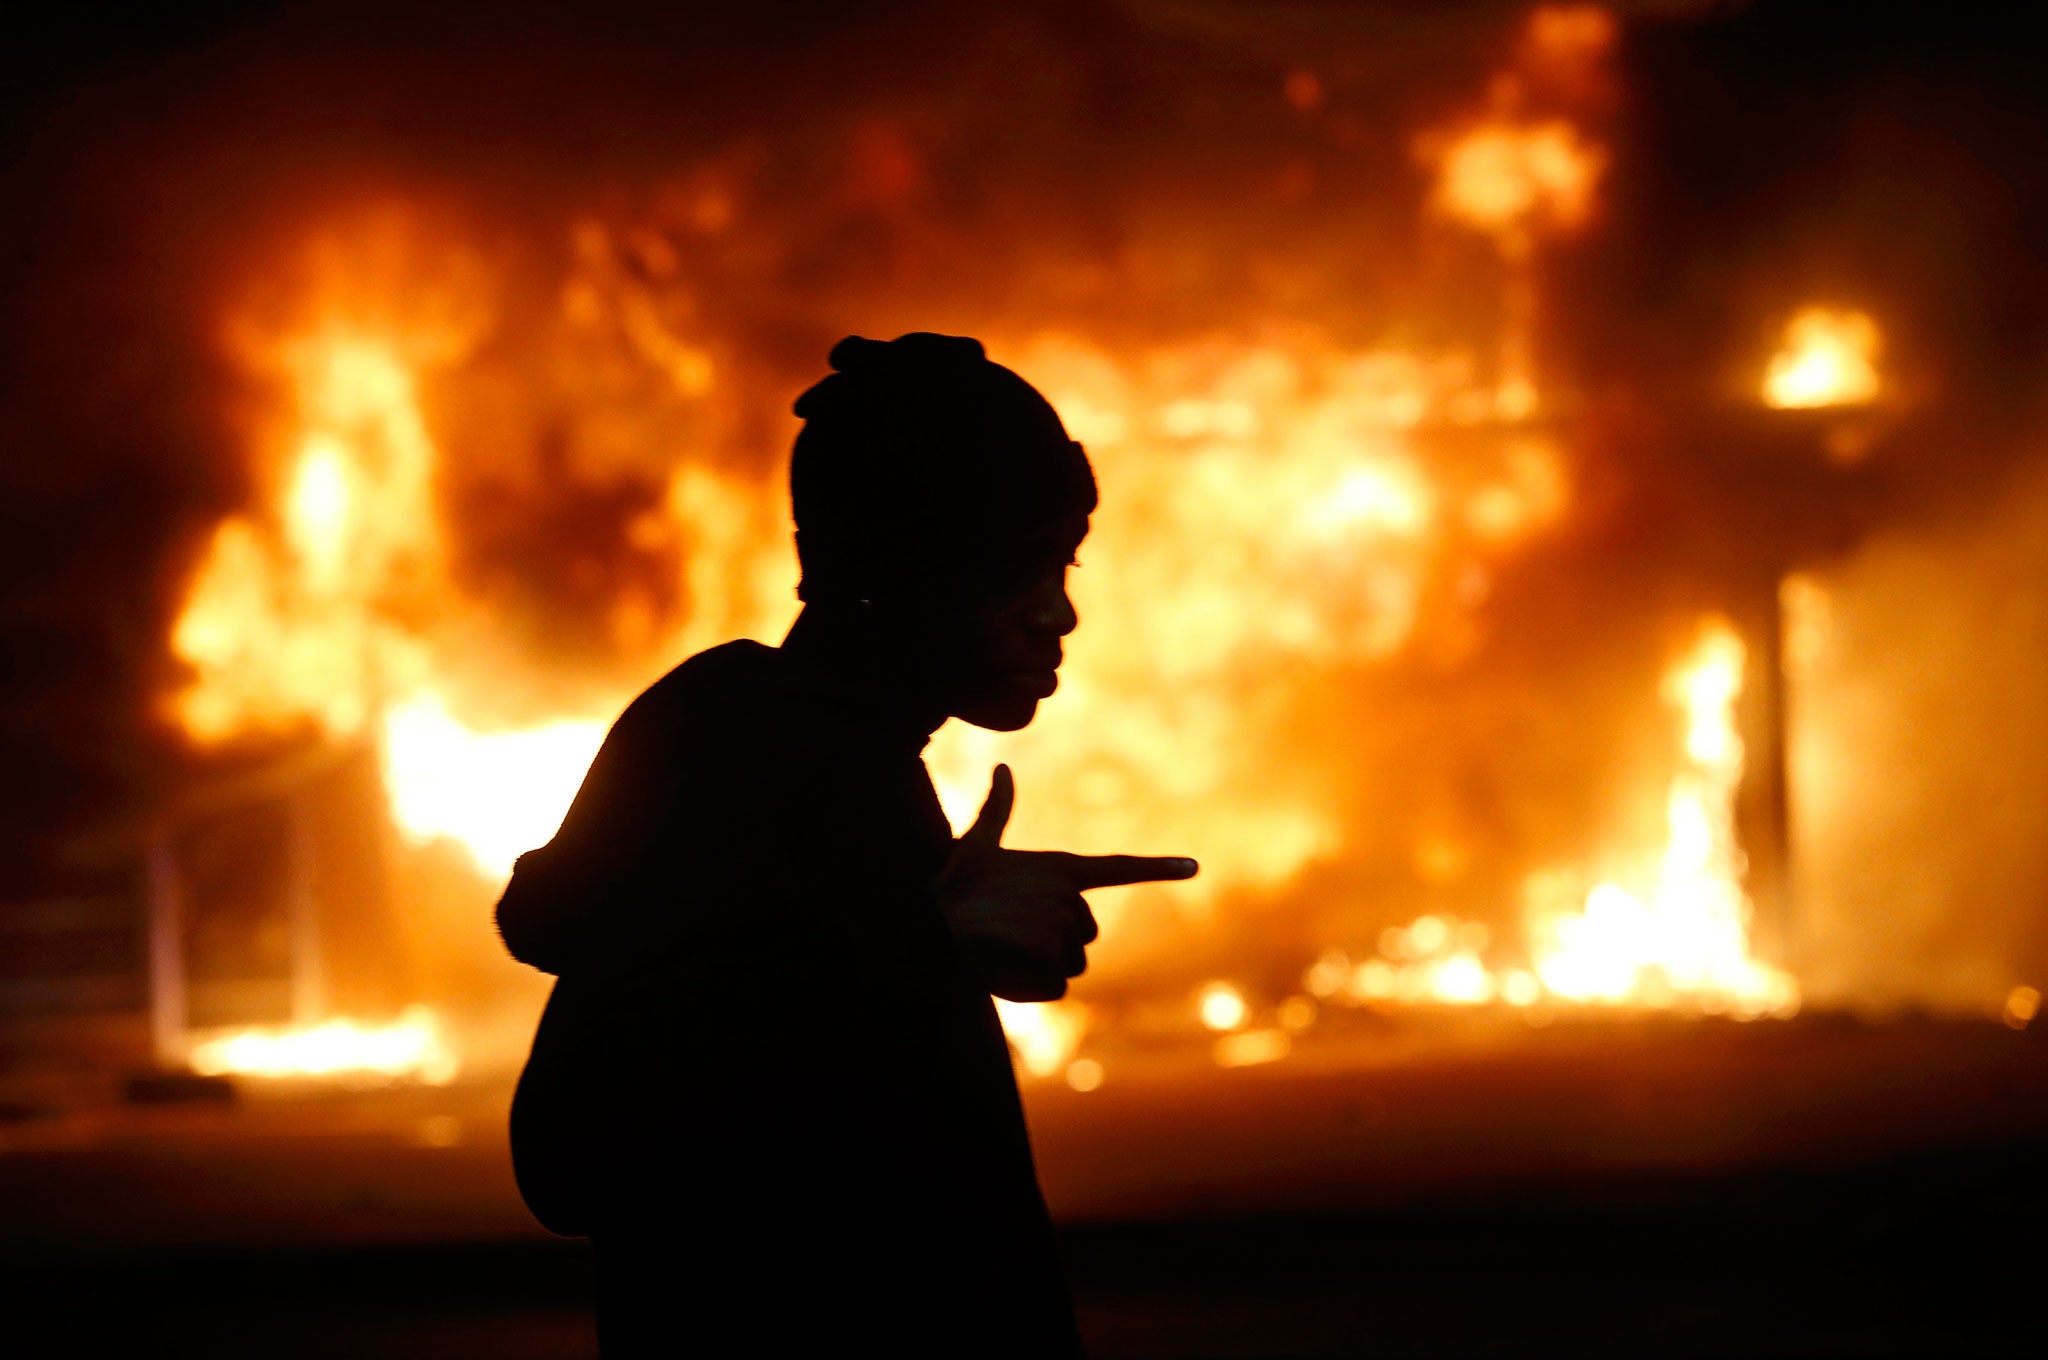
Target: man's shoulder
717	678
736	669
735	687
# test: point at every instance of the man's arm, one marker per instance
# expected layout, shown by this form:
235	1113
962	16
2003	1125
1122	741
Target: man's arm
552	913
1018	915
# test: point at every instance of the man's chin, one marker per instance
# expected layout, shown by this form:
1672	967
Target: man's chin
1001	715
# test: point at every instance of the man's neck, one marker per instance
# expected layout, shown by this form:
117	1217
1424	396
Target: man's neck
848	653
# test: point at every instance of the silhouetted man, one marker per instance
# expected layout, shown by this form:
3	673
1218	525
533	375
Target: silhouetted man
770	1084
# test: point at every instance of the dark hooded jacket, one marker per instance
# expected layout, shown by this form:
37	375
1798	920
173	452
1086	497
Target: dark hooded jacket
764	1084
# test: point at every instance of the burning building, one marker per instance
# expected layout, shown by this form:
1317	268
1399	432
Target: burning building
1554	550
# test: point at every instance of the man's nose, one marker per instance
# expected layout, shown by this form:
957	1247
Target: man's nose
1053	612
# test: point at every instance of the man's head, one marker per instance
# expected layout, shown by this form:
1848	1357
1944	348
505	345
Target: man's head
939	500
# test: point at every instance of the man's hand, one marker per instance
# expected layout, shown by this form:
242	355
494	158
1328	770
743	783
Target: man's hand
1018	915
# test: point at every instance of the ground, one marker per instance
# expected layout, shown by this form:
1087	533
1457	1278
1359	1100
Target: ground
1817	1188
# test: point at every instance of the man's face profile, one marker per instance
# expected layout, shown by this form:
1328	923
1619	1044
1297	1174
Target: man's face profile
999	652
938	503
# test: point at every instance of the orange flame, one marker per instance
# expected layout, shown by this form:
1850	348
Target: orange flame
290	617
1828	358
324	612
1503	177
1527	169
283	622
1273	509
498	794
1682	936
411	1048
1516	174
335	607
1688	934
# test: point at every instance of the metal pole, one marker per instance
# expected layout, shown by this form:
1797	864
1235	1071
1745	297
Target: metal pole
309	976
168	1012
1764	814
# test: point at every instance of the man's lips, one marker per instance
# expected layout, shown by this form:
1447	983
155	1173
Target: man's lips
1041	681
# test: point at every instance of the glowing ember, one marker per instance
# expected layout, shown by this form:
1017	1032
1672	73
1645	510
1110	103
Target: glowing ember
1221	1006
1252	1047
1296	1014
1520	988
411	1048
2022	1004
1084	1074
1828	358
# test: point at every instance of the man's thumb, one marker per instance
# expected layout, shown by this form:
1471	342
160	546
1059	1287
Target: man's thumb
987	831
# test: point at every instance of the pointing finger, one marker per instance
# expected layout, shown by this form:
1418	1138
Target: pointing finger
1113	871
987	831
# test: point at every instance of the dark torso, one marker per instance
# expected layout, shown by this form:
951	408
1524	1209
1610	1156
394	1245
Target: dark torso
764	1085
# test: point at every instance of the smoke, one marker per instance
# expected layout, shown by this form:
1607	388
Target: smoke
1920	760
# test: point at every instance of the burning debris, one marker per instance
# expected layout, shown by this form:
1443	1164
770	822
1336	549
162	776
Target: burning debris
1570	563
1349	479
1281	514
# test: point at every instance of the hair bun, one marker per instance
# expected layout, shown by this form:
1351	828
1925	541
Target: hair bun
855	353
858	354
918	455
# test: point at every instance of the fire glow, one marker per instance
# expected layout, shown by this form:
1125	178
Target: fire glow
1678	936
411	1048
1828	358
300	616
1272	513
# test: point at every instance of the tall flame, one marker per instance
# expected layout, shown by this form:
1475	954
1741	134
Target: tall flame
290	617
313	612
1687	933
1677	936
